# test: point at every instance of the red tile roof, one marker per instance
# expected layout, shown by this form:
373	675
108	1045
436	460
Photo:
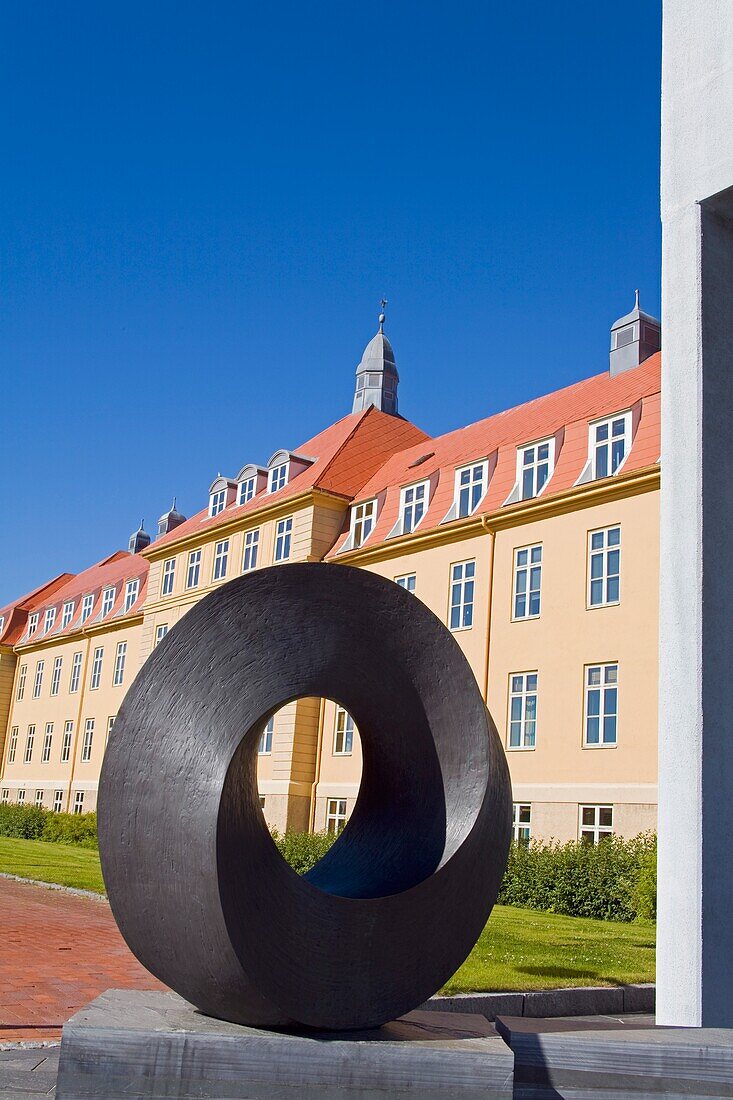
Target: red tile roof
15	614
571	409
346	454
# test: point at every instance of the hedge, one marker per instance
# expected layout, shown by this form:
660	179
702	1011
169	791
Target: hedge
614	880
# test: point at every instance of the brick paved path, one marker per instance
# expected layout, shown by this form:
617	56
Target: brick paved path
57	952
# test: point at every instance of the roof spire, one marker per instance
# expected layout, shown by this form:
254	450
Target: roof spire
636	302
383	305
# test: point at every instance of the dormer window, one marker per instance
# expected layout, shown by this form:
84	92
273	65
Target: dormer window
470	488
131	590
2	623
32	623
535	463
86	606
49	619
609	443
363	517
247	490
217	502
67	614
108	600
277	477
413	505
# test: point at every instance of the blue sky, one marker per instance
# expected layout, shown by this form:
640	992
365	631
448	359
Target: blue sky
203	203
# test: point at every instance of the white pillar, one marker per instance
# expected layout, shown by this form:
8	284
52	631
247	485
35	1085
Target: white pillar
695	926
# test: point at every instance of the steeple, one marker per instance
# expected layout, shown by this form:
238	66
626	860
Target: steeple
139	540
170	520
633	339
376	375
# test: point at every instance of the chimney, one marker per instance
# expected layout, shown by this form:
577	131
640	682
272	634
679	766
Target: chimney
633	339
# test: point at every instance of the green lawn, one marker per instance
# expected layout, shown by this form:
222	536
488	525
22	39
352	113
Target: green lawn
519	948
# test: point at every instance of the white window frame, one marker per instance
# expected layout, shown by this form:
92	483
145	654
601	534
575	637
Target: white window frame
66	742
217	502
247	490
363	519
250	550
21	797
108	601
33	623
593	832
38	679
49	619
528	568
86	748
119	670
283	539
466	489
30	738
168	578
462	594
75	678
58	801
264	747
521	822
221	560
47	743
110	727
336	816
608	681
56	675
13	744
593	444
22	675
160	632
38	801
87	606
67	614
78	807
420	499
96	676
278	476
132	591
193	568
602	554
534	464
4	796
523	692
343	733
408	581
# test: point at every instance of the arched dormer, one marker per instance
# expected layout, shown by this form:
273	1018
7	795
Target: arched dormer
251	480
222	492
283	467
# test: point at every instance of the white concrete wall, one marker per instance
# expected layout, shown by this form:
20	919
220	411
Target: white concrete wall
695	952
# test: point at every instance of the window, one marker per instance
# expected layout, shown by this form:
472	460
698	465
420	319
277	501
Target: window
596	822
21	682
2	623
277	477
335	815
86	748
522	710
119	673
79	802
461	595
29	739
217	502
283	534
160	632
534	467
13	747
247	489
131	590
362	522
609	444
38	682
66	743
265	745
49	619
221	557
96	668
58	801
4	795
470	488
47	740
251	546
343	741
601	704
407	582
39	798
194	568
604	566
67	614
262	802
108	600
169	575
33	623
21	797
521	822
56	675
527	582
86	607
413	501
110	727
75	673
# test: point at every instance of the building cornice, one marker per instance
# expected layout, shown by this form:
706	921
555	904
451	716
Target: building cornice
47	642
514	515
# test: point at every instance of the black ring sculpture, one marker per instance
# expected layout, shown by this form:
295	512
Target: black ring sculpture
196	884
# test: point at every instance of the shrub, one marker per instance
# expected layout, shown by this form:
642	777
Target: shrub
302	850
613	880
79	829
22	821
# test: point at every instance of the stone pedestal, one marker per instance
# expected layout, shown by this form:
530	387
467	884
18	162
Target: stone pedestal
129	1044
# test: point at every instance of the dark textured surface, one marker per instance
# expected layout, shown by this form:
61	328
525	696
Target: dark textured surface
130	1045
196	884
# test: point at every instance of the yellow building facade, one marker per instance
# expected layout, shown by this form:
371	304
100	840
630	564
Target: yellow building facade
532	534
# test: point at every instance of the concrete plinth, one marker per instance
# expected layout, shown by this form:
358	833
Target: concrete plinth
130	1044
